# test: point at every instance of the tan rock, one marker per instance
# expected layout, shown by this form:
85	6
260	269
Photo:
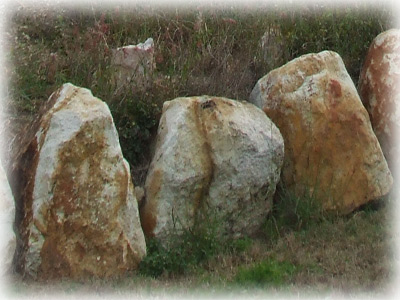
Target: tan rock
7	216
216	157
379	88
80	216
330	148
134	65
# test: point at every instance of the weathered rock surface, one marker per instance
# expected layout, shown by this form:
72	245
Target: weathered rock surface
139	194
330	148
7	216
379	88
80	216
213	156
134	64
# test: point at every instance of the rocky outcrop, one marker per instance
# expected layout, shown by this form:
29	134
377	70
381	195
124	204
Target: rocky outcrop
330	148
379	90
79	214
133	64
7	216
214	158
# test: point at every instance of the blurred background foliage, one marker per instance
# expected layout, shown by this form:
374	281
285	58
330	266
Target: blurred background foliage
215	50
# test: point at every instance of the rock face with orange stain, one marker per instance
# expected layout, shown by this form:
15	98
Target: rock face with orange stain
79	216
214	158
379	88
331	151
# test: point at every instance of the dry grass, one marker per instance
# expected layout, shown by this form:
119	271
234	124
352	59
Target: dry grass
349	255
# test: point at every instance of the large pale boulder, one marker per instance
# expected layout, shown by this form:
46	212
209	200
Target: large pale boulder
79	215
379	88
133	64
330	148
7	216
215	158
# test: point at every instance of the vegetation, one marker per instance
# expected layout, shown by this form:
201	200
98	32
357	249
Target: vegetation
294	213
217	51
350	255
186	248
265	272
190	247
317	30
210	50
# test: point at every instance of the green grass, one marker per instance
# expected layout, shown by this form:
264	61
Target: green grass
187	250
264	273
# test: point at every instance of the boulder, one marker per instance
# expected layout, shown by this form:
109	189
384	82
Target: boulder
215	160
79	215
379	88
133	64
273	47
331	151
7	216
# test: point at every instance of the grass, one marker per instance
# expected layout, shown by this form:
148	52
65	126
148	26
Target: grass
293	212
266	272
187	248
350	255
216	51
190	248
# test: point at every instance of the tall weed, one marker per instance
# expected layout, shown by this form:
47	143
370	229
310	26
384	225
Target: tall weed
292	212
186	248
